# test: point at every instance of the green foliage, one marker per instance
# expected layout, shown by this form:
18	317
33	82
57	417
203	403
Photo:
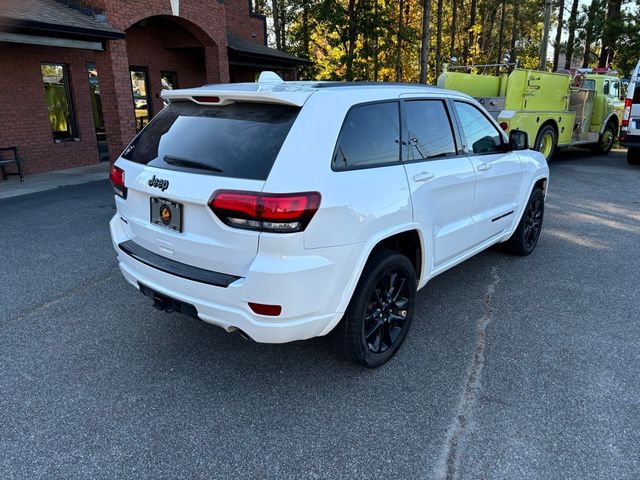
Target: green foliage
358	39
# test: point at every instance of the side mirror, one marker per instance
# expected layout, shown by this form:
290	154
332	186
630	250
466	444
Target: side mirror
518	140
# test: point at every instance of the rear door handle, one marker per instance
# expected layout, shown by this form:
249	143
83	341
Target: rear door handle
483	167
423	177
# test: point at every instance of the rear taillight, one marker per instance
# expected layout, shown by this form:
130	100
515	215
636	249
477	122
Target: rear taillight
504	126
626	114
270	212
117	181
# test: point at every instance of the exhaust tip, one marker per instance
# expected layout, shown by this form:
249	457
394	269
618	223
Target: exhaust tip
243	334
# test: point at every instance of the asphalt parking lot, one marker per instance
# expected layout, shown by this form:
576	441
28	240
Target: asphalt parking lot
514	368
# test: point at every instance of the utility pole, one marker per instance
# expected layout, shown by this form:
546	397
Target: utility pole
545	35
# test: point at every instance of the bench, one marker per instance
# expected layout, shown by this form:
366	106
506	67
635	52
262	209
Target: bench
6	158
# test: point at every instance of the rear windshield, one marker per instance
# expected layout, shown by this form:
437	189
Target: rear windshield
239	140
636	93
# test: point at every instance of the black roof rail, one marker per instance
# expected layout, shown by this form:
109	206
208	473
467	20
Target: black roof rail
366	84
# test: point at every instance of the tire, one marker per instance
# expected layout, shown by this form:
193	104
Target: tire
372	307
546	141
633	156
607	139
525	238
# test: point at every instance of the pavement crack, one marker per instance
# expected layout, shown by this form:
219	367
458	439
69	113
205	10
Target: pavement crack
111	274
450	458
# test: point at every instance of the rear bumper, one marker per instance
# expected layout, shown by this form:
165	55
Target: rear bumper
631	141
307	288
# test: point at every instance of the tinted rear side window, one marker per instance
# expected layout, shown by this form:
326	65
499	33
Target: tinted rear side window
239	140
370	136
429	130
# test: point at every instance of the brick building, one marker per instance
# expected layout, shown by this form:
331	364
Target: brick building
79	78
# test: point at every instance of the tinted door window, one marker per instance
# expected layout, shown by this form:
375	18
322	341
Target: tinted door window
429	130
240	140
370	136
480	134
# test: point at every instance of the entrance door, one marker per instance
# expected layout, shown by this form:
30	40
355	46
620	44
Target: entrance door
141	96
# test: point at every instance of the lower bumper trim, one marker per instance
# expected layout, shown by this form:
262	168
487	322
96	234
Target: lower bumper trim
178	269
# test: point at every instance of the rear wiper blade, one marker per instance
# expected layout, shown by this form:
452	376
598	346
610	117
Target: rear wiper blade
185	162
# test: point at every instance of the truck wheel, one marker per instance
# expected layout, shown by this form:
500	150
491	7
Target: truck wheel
380	312
633	156
604	145
526	235
546	141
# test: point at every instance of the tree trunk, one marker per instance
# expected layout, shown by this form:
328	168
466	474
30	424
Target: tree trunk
573	19
501	31
609	33
376	61
352	29
588	33
438	37
426	34
556	44
305	28
399	53
514	30
454	21
469	41
275	12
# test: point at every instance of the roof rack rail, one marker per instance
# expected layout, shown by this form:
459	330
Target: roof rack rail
367	84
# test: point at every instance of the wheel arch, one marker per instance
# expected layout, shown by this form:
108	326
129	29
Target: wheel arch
610	118
408	240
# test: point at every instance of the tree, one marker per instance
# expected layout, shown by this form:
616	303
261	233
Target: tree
573	16
612	29
424	46
439	37
556	43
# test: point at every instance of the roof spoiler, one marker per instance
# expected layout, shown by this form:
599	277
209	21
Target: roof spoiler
269	88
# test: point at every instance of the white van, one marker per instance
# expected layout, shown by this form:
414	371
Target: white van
630	129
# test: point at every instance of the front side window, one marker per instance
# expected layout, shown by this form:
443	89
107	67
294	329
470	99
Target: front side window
370	136
58	98
480	134
615	89
429	130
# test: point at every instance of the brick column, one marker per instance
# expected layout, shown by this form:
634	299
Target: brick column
115	92
216	64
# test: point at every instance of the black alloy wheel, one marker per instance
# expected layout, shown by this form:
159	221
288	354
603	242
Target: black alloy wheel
533	224
525	237
380	311
386	313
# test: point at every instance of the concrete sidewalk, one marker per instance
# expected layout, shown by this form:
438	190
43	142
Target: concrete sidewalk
39	182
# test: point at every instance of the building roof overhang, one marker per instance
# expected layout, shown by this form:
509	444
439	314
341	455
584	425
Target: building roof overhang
250	54
50	18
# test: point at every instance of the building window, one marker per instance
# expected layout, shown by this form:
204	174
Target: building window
169	80
58	96
96	106
141	97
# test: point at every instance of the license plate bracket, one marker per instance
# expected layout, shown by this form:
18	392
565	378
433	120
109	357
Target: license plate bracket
166	213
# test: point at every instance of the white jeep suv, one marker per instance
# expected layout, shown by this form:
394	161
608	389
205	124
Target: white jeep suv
288	210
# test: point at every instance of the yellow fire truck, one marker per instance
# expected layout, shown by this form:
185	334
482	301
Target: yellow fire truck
577	108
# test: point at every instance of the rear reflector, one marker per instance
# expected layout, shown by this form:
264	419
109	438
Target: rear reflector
279	213
504	126
626	114
262	309
116	176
